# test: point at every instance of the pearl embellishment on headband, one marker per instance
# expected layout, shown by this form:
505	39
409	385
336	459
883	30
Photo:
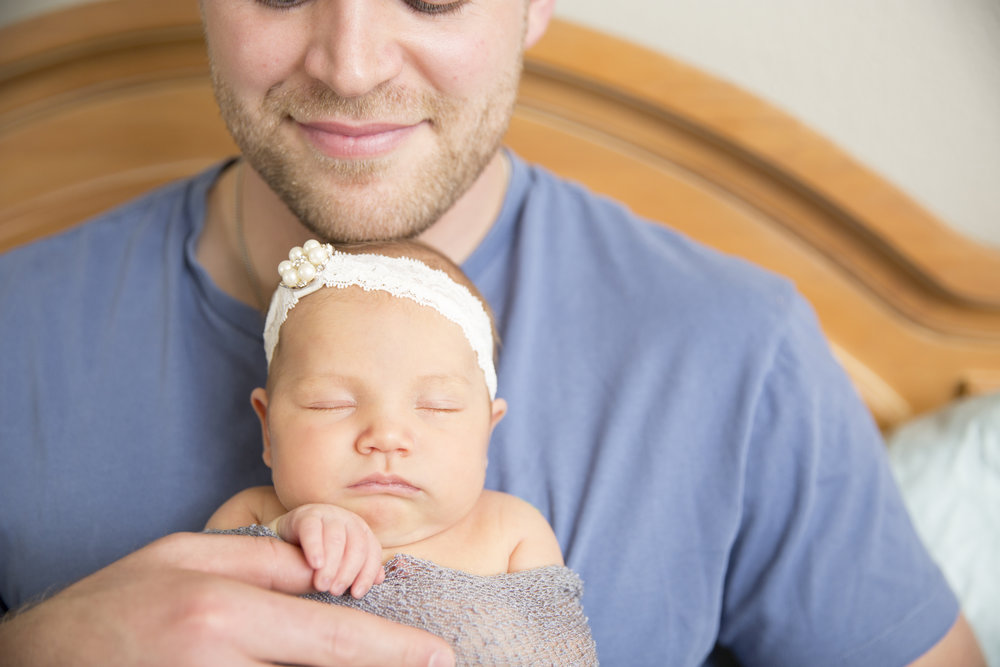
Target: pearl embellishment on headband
303	264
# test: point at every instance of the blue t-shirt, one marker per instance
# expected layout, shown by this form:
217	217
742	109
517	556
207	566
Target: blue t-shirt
675	413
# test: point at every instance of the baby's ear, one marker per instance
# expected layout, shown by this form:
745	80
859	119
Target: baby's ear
258	399
499	410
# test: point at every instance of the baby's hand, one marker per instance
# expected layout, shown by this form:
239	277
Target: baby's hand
338	545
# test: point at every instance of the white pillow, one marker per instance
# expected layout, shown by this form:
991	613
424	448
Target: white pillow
948	467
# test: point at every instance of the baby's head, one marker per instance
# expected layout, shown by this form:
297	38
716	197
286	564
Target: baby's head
403	269
381	386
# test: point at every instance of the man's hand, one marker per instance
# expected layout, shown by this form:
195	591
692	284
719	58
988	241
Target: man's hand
338	545
197	599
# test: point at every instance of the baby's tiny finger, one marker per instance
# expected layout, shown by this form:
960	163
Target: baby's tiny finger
371	573
311	543
357	570
321	581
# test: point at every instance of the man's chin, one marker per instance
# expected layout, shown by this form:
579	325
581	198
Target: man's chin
352	223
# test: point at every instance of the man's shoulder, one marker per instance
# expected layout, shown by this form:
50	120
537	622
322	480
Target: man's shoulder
84	269
110	230
605	248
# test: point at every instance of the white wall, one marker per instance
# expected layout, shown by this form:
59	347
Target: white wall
909	87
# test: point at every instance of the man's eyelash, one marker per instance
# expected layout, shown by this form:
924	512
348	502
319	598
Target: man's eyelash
419	6
281	4
434	8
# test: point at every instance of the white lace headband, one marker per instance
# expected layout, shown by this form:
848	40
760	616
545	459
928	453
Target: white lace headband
316	265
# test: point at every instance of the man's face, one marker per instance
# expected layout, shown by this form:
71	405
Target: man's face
369	118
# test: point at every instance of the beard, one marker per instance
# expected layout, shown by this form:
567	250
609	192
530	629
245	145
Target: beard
383	198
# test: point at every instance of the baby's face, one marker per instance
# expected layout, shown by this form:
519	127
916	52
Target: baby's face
378	405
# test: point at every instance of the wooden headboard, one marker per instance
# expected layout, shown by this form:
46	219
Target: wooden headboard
102	101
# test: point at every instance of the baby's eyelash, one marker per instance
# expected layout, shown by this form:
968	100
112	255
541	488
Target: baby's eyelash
441	407
330	407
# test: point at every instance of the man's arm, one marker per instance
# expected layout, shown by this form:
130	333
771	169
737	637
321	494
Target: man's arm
958	648
192	599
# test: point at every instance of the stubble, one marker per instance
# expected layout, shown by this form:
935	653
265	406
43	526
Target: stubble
343	200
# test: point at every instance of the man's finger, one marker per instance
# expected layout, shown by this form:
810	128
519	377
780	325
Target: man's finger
282	628
291	630
262	561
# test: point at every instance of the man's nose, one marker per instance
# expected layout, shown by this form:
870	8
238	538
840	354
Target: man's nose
354	48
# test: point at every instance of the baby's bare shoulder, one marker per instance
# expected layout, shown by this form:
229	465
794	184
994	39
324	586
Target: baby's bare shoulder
505	505
527	532
254	505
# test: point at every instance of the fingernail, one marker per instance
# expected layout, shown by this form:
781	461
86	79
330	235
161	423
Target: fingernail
441	659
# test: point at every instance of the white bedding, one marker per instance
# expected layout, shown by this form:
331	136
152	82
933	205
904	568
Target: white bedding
948	467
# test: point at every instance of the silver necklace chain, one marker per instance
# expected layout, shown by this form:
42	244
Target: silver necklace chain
241	239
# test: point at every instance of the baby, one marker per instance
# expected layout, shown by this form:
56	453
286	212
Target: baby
376	419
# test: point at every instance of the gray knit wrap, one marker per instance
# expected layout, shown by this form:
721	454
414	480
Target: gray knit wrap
532	617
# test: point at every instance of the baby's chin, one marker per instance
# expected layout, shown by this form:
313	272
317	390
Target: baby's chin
397	532
398	538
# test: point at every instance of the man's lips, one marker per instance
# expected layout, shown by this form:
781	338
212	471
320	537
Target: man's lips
349	141
384	484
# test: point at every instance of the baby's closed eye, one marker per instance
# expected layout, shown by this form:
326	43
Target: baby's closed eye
440	405
329	405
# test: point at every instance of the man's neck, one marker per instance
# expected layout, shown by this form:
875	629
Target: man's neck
241	258
269	228
461	229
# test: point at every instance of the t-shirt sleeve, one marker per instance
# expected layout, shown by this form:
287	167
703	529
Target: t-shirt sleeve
826	568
